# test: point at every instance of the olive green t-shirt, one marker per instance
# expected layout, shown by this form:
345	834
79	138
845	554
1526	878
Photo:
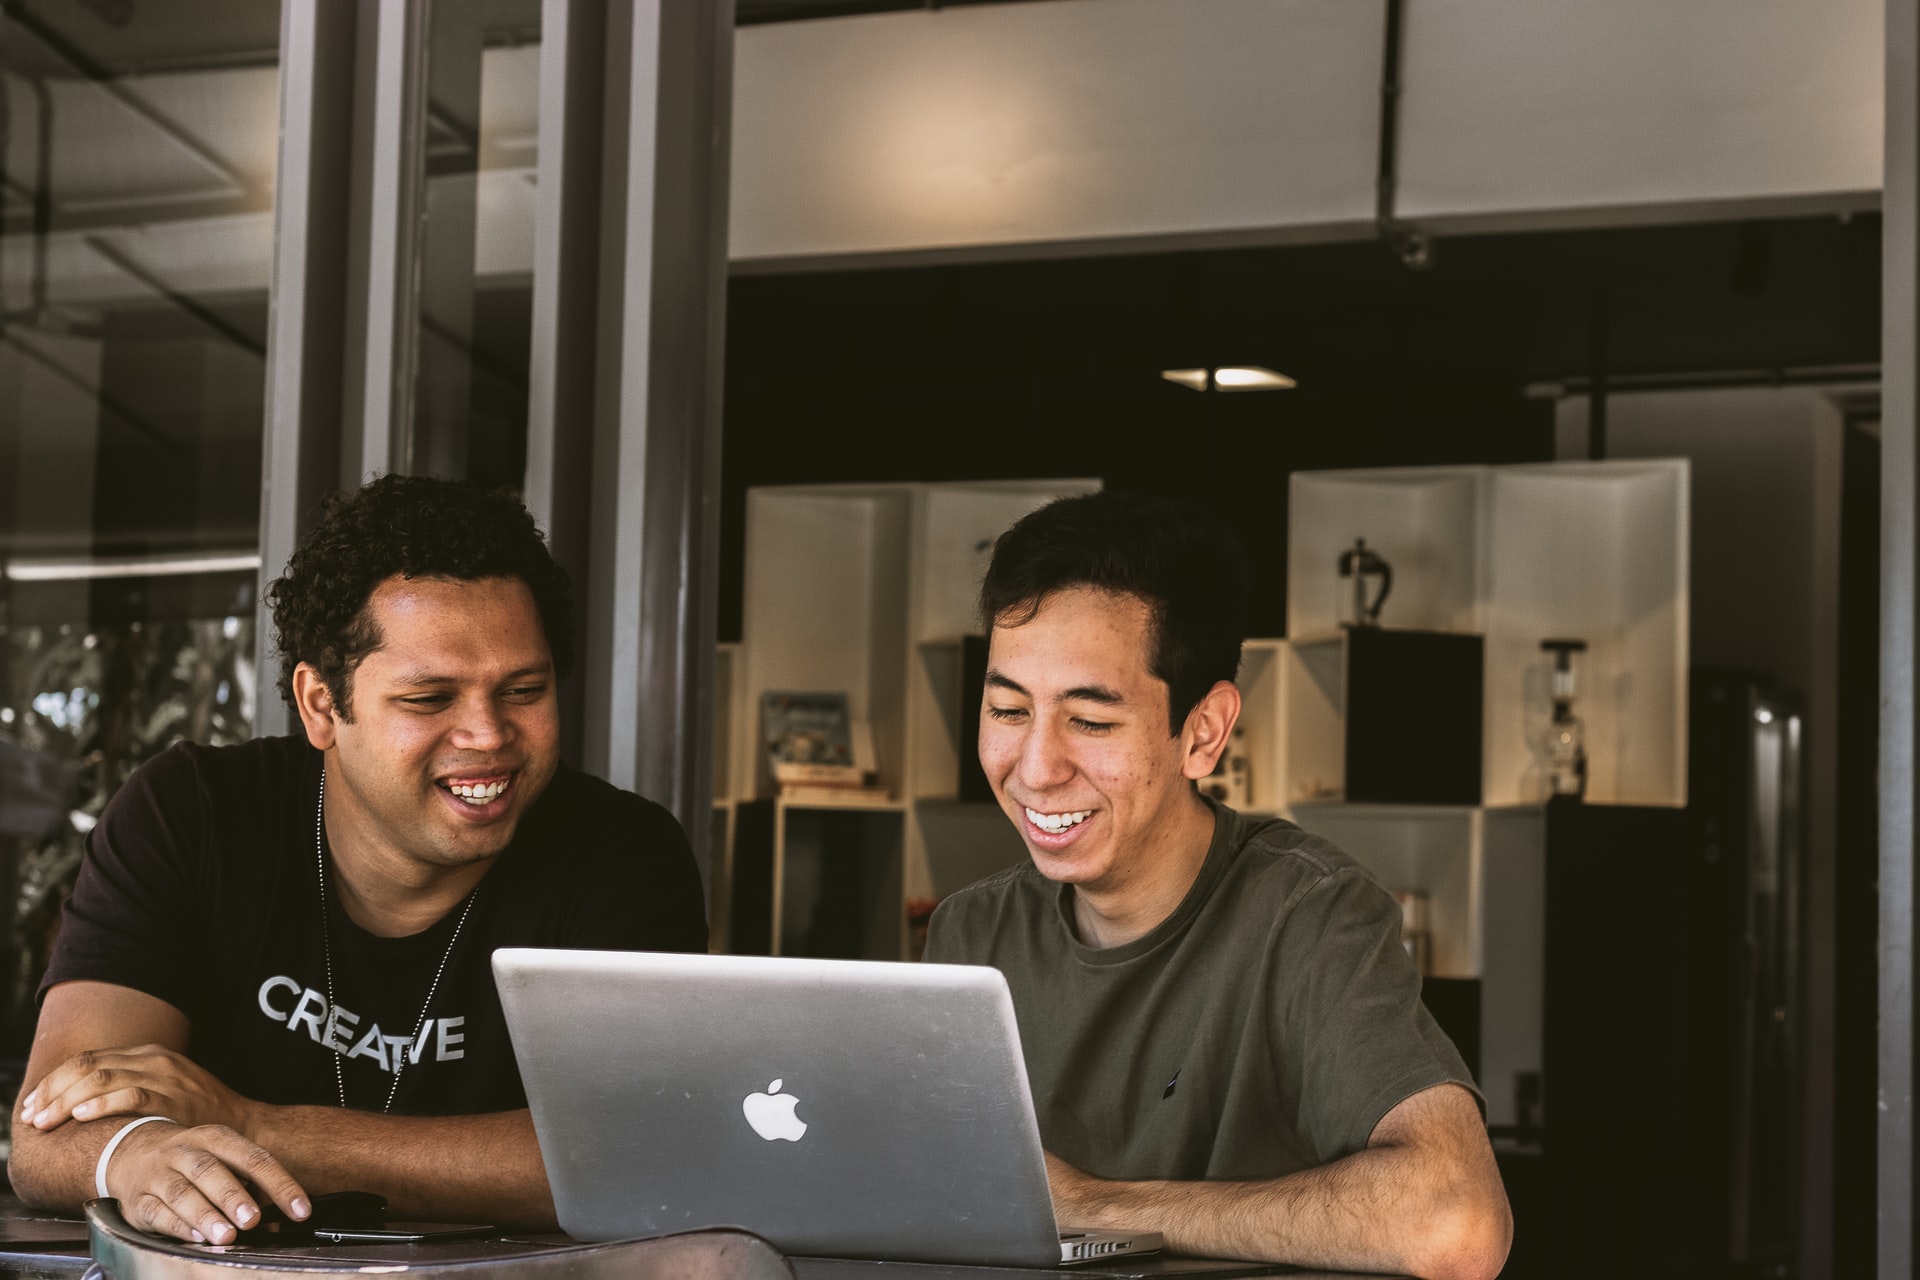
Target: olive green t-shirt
1264	1027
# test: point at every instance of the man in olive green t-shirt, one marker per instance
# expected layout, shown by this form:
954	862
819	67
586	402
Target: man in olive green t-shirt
1224	1038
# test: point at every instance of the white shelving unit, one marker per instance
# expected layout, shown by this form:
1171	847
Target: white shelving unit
1429	523
1590	550
1312	728
1434	849
1595	551
1484	874
824	609
1264	697
869	590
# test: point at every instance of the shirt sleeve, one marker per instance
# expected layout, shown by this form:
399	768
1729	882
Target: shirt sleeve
645	895
1361	1040
132	918
972	926
944	937
673	916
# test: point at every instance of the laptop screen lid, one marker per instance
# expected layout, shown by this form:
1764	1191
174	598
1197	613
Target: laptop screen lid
837	1107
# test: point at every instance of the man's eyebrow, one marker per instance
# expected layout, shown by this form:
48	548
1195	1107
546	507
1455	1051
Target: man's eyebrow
1079	693
427	679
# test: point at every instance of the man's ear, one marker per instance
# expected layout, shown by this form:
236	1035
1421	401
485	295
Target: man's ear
314	702
1208	729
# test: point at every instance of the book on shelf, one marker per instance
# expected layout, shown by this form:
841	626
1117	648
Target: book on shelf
809	739
828	796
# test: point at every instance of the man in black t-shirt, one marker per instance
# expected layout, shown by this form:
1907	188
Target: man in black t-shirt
273	979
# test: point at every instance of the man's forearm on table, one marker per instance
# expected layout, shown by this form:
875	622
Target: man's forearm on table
1381	1209
54	1169
479	1168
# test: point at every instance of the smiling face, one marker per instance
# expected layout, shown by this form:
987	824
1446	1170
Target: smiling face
454	730
1073	738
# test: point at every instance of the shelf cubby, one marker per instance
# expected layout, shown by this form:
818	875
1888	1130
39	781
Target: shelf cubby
866	589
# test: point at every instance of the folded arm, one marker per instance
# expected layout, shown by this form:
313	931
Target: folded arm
192	1176
1424	1198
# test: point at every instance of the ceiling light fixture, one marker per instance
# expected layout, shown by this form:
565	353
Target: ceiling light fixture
1230	377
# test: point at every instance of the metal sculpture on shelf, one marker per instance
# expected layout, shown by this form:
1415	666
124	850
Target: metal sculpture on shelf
1362	564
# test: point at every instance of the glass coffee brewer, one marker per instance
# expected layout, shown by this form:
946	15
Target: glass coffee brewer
1563	746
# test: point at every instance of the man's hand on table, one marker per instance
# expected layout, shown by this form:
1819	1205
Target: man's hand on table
192	1182
481	1168
142	1080
188	1176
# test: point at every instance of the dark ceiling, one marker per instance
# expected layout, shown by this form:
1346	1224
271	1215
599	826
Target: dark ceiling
1053	368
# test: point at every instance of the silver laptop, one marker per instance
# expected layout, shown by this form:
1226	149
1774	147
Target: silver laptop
840	1108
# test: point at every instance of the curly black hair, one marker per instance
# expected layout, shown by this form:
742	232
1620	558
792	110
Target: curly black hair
416	527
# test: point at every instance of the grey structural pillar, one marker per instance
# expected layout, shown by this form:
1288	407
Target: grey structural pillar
1899	651
350	219
628	337
566	299
301	451
385	223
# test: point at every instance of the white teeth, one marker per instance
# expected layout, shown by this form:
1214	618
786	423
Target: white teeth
486	793
1057	822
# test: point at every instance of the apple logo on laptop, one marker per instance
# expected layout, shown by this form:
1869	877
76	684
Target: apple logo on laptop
771	1114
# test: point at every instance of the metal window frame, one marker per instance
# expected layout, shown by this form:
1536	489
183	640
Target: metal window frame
566	288
630	266
344	294
1899	645
388	198
302	436
652	580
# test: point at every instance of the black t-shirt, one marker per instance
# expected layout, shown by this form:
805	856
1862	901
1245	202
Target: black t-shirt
200	887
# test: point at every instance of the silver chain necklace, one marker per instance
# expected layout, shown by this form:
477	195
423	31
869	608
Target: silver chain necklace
326	953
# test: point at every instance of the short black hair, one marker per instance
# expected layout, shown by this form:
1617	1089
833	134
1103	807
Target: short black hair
416	527
1185	566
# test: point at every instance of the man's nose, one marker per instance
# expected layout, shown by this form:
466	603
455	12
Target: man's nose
1043	758
482	727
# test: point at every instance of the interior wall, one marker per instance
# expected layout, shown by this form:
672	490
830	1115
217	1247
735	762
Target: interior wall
1568	111
1023	123
1766	468
1077	125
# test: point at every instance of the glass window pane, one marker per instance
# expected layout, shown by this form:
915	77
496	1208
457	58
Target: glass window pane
477	257
136	193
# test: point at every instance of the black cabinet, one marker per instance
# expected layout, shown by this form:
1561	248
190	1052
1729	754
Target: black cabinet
1671	1019
1414	702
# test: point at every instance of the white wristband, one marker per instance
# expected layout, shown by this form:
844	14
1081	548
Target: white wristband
113	1145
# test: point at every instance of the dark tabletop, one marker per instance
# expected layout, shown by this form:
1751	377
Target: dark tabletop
38	1244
